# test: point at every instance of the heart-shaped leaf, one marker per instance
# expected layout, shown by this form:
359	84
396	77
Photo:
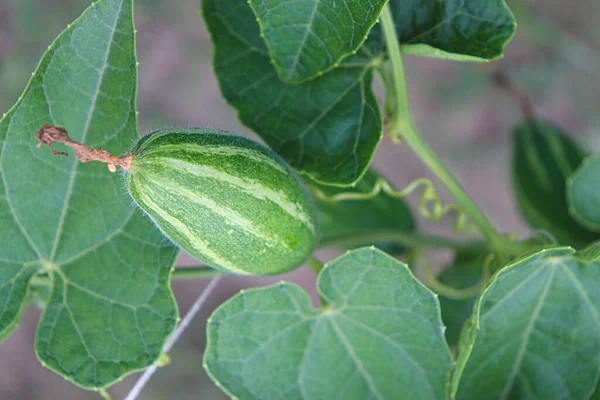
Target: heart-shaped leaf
462	30
379	334
543	158
328	128
309	37
583	193
110	308
352	219
535	332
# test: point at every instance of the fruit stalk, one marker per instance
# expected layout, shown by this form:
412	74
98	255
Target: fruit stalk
49	134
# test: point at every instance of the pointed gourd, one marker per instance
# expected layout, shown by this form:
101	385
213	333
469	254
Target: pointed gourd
225	199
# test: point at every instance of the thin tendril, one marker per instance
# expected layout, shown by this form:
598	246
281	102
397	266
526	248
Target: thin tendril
431	206
143	380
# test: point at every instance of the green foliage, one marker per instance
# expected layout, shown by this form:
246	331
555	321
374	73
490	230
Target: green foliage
301	77
462	30
309	37
543	159
378	334
225	199
327	128
584	194
110	308
343	221
536	331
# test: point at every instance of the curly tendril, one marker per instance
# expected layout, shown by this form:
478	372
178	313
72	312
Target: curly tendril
430	204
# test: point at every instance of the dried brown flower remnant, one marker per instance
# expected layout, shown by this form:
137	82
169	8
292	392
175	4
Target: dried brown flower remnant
49	134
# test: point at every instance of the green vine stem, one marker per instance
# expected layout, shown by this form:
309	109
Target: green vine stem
194	273
42	280
406	239
401	126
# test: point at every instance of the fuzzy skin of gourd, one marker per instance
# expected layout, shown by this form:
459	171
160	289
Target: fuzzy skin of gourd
225	199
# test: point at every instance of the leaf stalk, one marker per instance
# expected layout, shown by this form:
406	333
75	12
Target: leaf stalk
401	127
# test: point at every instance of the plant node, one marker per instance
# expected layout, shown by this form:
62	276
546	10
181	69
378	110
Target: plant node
49	134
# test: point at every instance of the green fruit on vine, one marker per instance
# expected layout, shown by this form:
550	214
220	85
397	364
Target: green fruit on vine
225	199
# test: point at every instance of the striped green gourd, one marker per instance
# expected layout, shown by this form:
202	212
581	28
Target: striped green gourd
225	199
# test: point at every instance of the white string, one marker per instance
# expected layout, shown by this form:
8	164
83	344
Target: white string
143	380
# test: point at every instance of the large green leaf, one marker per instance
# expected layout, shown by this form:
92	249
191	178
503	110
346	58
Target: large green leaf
379	336
462	30
543	158
350	219
535	332
583	193
111	307
328	128
309	37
